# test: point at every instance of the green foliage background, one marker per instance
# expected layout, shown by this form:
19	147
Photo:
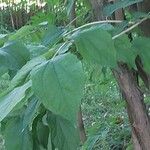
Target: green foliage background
49	68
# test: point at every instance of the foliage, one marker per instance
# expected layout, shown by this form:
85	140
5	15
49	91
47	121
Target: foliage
47	66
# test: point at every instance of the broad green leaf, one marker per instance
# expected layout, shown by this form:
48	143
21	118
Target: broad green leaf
52	36
15	138
9	101
125	51
25	70
22	104
22	32
59	85
109	9
30	112
64	135
37	50
142	46
13	55
96	46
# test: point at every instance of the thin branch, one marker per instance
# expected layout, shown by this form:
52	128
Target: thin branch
93	23
58	50
129	29
72	21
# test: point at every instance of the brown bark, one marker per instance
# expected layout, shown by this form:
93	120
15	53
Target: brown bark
81	128
144	76
135	142
119	14
97	6
73	14
145	26
138	116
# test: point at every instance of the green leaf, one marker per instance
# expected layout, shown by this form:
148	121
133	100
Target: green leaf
42	133
9	101
25	70
125	51
59	85
142	46
111	8
22	32
14	55
37	50
96	46
30	112
64	135
52	36
15	138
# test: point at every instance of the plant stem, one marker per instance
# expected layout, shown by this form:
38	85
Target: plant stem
129	29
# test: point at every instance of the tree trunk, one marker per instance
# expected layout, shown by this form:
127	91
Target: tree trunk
97	10
145	7
138	116
73	14
135	142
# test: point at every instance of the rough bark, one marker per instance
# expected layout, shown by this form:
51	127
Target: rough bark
145	26
138	116
144	76
135	141
81	126
73	14
97	6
